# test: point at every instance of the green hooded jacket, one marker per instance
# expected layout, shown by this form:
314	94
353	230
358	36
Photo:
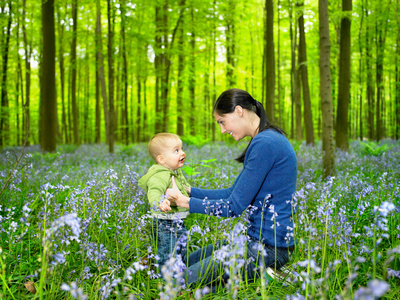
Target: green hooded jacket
157	180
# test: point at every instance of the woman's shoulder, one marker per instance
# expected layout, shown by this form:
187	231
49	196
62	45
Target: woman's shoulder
272	140
269	136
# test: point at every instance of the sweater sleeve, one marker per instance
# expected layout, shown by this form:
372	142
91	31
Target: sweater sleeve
156	187
259	161
213	194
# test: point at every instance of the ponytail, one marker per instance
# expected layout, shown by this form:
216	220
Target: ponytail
229	99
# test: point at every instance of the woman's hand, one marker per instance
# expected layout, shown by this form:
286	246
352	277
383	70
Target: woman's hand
175	196
188	189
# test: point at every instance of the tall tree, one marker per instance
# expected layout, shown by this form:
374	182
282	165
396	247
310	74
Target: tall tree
279	87
397	102
293	66
125	78
48	111
342	111
361	71
381	25
214	39
328	160
28	53
100	69
75	114
308	120
162	63
370	78
192	78
230	44
179	91
297	131
97	107
4	110
61	26
110	18
270	60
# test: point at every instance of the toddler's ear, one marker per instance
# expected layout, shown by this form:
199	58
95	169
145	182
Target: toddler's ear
160	159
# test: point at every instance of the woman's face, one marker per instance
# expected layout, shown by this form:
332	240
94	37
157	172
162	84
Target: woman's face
232	123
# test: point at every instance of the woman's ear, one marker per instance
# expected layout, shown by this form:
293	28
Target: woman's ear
239	110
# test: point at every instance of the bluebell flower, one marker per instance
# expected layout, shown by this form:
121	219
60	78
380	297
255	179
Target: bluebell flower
374	290
200	293
59	258
75	291
107	285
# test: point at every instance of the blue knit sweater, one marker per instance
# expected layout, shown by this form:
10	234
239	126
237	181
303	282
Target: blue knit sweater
264	188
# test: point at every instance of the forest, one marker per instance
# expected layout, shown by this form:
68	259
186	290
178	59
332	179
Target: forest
86	83
75	72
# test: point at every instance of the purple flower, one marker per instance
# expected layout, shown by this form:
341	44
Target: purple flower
75	291
375	289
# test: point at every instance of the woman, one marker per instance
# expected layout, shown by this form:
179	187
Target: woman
266	183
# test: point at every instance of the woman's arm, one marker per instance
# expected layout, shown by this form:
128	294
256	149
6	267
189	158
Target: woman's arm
258	163
213	194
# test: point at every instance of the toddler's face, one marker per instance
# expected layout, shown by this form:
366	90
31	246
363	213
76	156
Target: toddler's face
173	156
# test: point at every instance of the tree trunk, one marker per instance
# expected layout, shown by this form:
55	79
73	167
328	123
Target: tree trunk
397	102
295	84
100	67
62	75
138	112
4	111
125	80
179	91
328	161
98	109
48	117
293	67
110	18
214	92
308	119
370	80
342	111
75	114
158	65
18	93
279	67
28	53
270	61
145	113
230	45
380	43
361	72
192	78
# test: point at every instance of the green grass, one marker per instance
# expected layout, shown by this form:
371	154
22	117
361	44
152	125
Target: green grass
344	240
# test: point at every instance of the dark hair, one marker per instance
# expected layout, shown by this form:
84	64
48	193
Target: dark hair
229	99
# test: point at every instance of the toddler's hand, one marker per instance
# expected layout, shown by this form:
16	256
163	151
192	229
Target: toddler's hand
165	206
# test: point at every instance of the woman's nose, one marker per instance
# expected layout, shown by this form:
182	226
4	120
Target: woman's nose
222	128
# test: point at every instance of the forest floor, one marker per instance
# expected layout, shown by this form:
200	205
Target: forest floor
74	225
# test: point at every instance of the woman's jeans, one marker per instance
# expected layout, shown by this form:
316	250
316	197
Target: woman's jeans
166	234
203	269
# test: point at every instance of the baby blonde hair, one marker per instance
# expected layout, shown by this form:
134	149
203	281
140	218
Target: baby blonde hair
158	141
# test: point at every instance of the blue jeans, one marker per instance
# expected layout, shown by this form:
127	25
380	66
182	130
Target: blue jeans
202	269
166	234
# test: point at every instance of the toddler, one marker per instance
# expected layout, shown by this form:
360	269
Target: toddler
167	226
